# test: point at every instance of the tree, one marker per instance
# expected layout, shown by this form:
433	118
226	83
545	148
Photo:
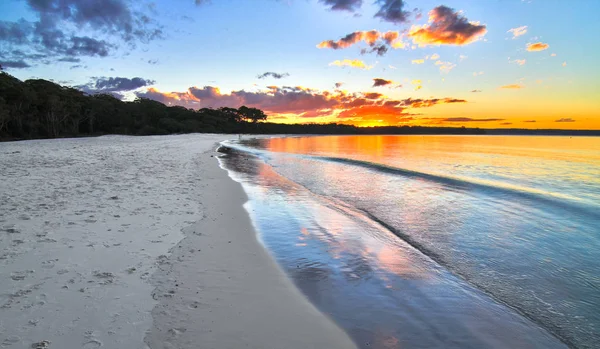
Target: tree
252	114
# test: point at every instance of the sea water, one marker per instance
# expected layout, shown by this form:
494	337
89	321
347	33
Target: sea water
435	241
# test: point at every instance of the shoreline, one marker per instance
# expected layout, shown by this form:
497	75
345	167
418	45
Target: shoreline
84	225
222	289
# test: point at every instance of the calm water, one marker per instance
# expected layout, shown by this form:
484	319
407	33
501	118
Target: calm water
435	241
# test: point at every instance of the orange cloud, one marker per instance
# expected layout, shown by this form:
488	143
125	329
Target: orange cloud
516	32
434	56
289	103
371	37
354	63
520	61
512	87
418	61
538	46
446	27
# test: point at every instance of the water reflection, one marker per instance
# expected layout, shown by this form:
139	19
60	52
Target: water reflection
382	291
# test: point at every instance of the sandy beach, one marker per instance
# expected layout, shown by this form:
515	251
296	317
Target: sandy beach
136	242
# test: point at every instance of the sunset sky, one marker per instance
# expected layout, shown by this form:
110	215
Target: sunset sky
477	63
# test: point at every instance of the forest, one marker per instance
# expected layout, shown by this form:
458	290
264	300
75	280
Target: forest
38	108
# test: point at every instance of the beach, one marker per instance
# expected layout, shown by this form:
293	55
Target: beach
136	242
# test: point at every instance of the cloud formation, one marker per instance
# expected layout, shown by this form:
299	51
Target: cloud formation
343	5
565	120
418	61
273	75
476	91
512	87
114	84
516	32
462	119
302	102
20	64
445	67
519	61
56	32
538	46
354	63
392	11
446	27
378	41
377	82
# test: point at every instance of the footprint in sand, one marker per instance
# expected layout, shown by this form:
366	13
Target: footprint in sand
10	341
92	344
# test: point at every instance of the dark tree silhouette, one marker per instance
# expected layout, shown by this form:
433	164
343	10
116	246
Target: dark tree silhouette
252	114
42	109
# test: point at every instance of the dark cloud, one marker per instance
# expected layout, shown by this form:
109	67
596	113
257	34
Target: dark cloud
564	120
201	2
446	27
15	32
153	61
273	75
343	5
423	103
476	91
56	30
14	64
506	123
69	59
86	46
381	82
338	84
114	84
373	95
392	11
469	120
379	49
529	121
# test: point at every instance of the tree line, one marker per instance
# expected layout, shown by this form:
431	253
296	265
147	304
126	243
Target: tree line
38	108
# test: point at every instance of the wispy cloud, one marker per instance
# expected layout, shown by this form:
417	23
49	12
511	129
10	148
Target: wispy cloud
445	67
519	61
565	120
516	32
353	63
418	61
512	87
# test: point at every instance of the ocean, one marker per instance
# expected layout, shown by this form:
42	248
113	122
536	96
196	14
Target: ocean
434	241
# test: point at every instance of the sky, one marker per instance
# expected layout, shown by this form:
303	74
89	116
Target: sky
475	63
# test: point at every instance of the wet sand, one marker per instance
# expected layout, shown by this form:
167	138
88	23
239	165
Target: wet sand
91	251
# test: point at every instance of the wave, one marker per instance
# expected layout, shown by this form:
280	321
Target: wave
557	200
560	201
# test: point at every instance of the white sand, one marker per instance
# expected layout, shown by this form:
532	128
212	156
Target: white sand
86	229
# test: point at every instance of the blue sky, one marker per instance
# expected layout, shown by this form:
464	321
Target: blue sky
226	44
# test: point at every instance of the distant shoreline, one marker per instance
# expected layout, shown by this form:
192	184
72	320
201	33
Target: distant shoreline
367	131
